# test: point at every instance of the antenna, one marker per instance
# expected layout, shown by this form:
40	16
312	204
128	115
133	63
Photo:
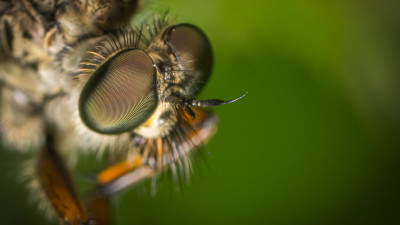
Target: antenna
213	102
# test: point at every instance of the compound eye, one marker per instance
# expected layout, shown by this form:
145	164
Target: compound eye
193	53
121	94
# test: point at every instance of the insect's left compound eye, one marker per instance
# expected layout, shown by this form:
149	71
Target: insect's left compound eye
121	94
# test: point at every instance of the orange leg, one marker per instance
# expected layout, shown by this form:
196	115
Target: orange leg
159	153
100	210
122	175
59	189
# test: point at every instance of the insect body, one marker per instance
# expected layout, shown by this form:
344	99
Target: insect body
76	78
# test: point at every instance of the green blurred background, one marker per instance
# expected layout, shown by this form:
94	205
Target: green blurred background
316	141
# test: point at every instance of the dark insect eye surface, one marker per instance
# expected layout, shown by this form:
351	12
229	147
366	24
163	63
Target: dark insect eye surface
193	52
121	93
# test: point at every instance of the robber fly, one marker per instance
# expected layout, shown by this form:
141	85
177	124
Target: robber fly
76	78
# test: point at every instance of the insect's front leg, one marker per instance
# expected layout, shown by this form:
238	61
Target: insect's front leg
156	154
57	185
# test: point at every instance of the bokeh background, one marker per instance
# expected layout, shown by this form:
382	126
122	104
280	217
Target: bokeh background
316	141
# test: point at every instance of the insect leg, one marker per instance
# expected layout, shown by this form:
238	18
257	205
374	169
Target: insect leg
122	175
100	210
58	187
159	153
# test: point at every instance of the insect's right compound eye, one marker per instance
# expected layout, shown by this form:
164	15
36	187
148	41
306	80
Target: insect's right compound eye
121	94
193	52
